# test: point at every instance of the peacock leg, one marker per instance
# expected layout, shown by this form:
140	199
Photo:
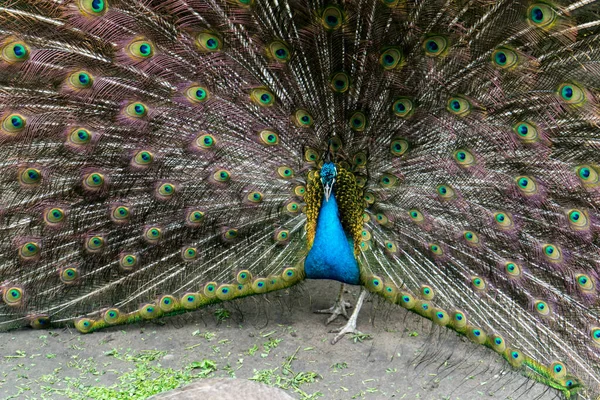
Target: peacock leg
338	308
350	326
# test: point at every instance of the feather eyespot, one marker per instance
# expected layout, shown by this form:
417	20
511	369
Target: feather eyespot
542	15
209	42
332	18
459	106
391	58
464	158
92	8
504	58
262	97
80	137
340	82
142	158
403	107
69	275
15	51
268	137
526	132
12	296
358	121
12	124
435	46
80	80
279	51
303	119
30	177
128	261
94	244
54	216
398	147
136	110
197	94
140	49
572	94
189	253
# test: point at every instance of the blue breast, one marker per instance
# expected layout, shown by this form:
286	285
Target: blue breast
332	253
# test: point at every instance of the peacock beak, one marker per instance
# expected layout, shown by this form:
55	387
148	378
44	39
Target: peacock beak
327	187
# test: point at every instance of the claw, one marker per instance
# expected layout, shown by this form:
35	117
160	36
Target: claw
350	326
339	308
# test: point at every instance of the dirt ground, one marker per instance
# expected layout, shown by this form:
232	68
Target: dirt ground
278	341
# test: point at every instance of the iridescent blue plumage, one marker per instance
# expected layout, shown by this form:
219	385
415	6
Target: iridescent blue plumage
331	256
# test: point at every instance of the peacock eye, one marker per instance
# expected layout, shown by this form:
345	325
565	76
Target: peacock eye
572	94
310	155
503	220
285	172
403	107
255	197
459	106
332	18
29	250
588	174
209	42
30	176
205	141
69	275
388	180
471	237
13	123
166	190
340	82
12	296
268	138
189	253
391	58
436	249
464	158
526	185
279	51
504	58
358	121
445	192
300	190
128	261
93	181
94	243
262	97
416	215
335	144
542	308
512	269
136	110
585	282
526	132
15	51
143	158
195	216
54	215
390	246
435	46
578	219
303	119
231	234
80	137
80	80
478	283
359	159
140	49
92	8
542	15
222	175
552	252
398	147
282	235
120	213
197	94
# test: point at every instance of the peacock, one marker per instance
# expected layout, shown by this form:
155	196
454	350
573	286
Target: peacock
159	156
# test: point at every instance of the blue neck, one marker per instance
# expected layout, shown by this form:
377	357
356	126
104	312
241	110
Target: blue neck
332	253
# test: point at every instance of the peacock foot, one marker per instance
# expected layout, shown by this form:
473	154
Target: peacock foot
350	326
339	308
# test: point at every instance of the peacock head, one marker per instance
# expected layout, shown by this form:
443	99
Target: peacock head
328	174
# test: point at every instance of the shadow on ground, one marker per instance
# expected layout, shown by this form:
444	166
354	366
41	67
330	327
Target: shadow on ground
279	341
